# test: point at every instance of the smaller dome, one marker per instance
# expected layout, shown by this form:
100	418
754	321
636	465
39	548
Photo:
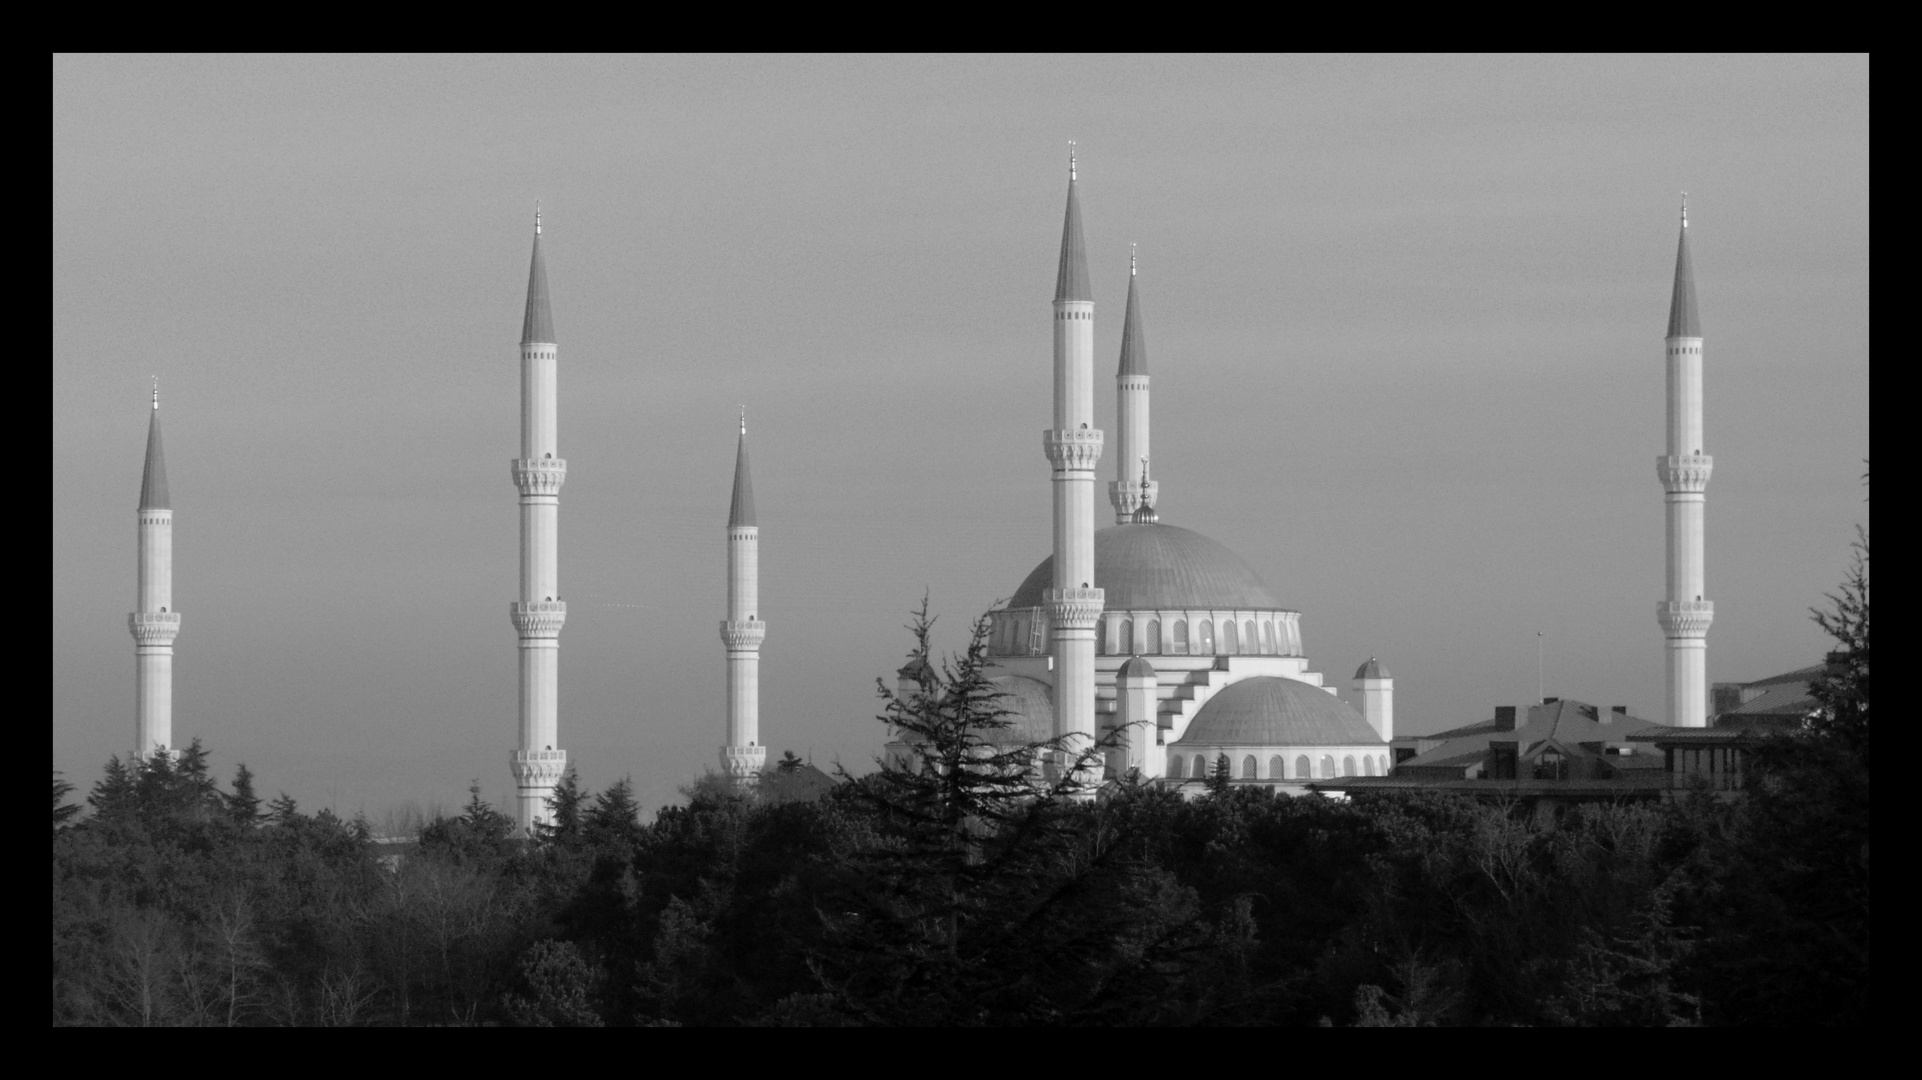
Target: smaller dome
1030	707
1372	670
1135	668
1271	711
914	669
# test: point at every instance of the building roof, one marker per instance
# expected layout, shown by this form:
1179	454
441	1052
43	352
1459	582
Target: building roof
538	324
1683	320
740	512
1135	668
1148	567
153	479
1271	711
1071	280
1780	699
1565	722
1134	342
1372	670
1030	706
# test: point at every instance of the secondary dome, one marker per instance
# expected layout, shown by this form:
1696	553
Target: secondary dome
1030	706
1270	711
1148	567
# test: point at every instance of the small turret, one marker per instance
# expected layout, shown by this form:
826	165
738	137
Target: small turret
1376	689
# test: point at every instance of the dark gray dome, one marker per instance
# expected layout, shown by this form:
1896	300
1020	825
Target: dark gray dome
1148	567
1030	705
1271	711
1135	668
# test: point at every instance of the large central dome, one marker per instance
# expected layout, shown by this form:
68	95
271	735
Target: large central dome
1147	567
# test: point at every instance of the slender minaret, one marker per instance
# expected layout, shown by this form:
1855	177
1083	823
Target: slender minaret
154	622
538	473
1131	408
742	754
1073	446
1684	471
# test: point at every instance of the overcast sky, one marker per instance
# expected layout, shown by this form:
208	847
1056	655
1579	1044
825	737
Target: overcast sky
1404	319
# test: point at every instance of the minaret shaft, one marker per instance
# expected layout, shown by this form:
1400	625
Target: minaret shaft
1685	614
1131	484
742	754
154	621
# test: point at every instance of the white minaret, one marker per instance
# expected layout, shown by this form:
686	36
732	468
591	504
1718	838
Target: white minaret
1684	471
742	754
1375	692
1136	706
154	622
1073	446
1131	409
538	473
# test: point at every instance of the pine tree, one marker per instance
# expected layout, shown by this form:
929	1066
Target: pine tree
1842	691
62	812
564	810
283	810
243	805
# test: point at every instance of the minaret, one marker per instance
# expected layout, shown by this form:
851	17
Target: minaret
1131	408
537	616
154	622
742	754
1073	447
1375	692
1684	471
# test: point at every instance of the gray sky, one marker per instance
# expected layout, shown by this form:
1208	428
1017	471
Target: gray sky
1404	318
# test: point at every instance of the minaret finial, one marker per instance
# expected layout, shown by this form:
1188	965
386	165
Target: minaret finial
537	217
156	393
1131	259
744	420
1684	209
1070	161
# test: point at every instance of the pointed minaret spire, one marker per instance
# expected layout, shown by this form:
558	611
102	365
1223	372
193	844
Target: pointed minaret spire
1071	279
1134	343
742	753
538	324
1682	318
153	479
740	512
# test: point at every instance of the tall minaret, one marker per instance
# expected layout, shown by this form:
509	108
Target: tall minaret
1131	396
538	473
742	754
154	622
1684	471
1073	446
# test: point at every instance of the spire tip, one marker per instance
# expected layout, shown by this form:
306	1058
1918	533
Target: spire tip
1070	161
744	421
156	393
1131	259
1684	209
537	217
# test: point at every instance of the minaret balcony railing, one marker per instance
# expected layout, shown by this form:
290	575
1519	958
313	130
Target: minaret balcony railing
1074	609
743	762
154	627
1684	472
1685	618
537	768
743	636
538	618
539	476
1071	449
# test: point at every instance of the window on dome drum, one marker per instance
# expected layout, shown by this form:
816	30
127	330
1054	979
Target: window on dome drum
1268	636
1276	767
1327	766
1348	765
1248	768
1368	766
1248	634
1181	637
1127	637
1151	637
1175	762
1229	642
1201	767
1205	637
1302	771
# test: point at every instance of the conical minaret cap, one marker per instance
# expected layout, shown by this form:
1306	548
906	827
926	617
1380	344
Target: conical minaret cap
1683	320
1071	281
1134	343
741	512
538	325
153	481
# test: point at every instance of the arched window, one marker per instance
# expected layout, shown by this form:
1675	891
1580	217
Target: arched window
1205	638
1181	637
1327	766
1248	635
1302	772
1127	638
1230	641
1201	766
1175	761
1384	765
1348	765
1367	765
1020	643
1276	767
1151	638
1248	768
1267	636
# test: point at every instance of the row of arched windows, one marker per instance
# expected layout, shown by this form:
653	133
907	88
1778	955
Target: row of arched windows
1075	315
1246	637
1305	769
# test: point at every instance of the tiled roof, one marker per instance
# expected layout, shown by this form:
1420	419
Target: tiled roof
1071	280
538	324
1784	698
153	479
741	511
1134	342
1682	318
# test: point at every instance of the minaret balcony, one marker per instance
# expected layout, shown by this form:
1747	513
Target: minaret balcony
743	636
537	768
1072	450
1685	618
1684	472
539	476
154	627
538	618
743	762
1074	609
